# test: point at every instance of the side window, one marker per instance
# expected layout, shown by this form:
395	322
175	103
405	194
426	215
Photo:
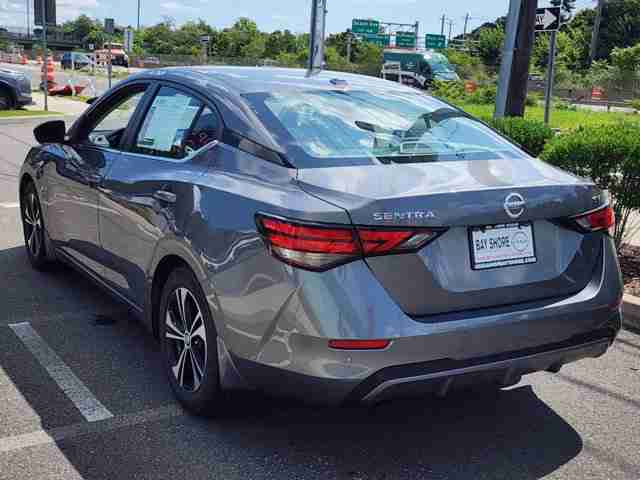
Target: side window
110	123
176	126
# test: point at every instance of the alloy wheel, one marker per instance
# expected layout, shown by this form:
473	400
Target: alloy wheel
186	338
32	223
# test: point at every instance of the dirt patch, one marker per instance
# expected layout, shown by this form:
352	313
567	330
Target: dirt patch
630	264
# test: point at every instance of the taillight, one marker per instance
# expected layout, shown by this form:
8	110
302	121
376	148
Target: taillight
321	247
597	220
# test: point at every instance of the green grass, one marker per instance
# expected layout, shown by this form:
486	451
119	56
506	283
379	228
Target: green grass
562	119
25	113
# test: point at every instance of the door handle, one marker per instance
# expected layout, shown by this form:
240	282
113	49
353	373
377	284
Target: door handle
164	196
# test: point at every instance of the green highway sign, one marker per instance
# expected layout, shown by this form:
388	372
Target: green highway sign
359	26
377	39
405	39
436	42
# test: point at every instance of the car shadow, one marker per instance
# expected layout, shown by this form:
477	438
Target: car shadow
507	434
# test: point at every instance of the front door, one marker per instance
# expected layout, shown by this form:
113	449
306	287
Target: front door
79	171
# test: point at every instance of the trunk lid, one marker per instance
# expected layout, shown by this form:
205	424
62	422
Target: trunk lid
461	196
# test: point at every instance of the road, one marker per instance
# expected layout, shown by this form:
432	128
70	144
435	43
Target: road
60	364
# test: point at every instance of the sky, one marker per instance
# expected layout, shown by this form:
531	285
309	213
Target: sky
277	14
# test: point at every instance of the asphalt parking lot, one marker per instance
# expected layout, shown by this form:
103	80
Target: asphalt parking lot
82	397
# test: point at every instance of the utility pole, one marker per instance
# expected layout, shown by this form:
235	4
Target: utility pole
507	57
316	37
595	36
444	19
349	37
466	24
417	27
450	28
138	15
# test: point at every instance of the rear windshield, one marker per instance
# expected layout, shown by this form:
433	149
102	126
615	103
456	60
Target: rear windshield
340	128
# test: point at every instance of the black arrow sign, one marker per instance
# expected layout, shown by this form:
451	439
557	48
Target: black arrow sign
548	19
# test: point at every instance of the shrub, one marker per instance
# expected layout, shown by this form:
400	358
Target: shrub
531	135
483	96
635	104
451	91
610	156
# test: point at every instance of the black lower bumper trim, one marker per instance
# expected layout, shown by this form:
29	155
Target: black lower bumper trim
426	369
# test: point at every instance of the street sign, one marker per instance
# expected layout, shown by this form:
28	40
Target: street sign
406	39
205	39
128	39
50	8
109	26
436	42
548	19
359	26
379	39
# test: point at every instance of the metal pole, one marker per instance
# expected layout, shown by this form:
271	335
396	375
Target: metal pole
28	20
109	69
550	75
507	57
349	35
417	33
46	55
466	24
595	35
444	19
138	15
316	37
450	29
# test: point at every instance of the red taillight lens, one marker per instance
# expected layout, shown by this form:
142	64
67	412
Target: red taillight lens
598	220
359	344
320	247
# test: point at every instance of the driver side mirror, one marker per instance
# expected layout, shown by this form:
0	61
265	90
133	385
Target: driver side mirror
50	132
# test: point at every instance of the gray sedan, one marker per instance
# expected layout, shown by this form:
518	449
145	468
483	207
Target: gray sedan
335	237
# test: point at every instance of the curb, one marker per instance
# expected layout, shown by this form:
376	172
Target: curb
631	313
53	116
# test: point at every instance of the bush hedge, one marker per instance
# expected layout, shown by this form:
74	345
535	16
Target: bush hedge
610	156
531	135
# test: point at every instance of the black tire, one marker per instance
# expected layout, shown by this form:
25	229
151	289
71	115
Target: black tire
195	385
6	103
35	239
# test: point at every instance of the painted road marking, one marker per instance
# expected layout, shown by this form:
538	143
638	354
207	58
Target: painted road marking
78	393
9	205
55	435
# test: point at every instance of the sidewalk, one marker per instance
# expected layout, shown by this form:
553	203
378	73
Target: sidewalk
62	105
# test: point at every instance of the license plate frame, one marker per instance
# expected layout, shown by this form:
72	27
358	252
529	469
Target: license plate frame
511	258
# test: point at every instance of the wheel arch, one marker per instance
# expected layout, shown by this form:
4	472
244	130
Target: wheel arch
6	87
168	257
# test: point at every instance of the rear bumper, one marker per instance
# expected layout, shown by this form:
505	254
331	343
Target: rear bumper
24	100
438	377
495	345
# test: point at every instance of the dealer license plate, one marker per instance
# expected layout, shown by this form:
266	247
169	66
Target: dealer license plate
502	246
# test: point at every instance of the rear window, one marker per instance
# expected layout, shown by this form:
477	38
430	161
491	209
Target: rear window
334	128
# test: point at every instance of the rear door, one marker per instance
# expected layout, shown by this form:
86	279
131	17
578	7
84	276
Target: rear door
150	193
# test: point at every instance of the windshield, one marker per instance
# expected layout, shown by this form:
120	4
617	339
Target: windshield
438	62
332	128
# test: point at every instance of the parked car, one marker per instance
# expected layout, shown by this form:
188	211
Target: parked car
15	89
75	60
118	55
336	237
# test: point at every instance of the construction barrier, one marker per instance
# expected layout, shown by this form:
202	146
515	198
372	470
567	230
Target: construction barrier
597	93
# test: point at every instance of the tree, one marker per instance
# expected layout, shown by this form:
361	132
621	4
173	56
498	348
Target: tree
568	6
490	45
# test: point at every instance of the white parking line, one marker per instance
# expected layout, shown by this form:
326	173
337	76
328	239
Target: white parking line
78	393
55	435
9	205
